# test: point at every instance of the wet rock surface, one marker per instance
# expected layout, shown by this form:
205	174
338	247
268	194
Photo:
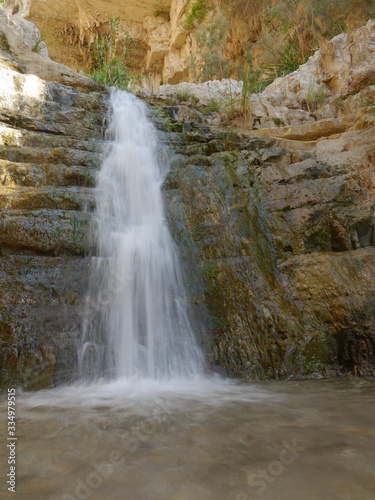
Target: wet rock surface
276	235
50	138
283	233
276	240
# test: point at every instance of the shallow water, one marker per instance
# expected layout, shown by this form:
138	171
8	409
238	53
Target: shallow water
203	439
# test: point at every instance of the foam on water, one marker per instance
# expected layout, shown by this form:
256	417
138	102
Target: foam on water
210	391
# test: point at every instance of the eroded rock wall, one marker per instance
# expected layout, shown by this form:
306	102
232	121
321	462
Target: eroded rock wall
284	234
275	224
69	25
163	45
50	137
280	209
327	95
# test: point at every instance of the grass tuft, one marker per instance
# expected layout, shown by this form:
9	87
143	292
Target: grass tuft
108	59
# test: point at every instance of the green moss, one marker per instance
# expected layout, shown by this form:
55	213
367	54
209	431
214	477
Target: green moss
173	126
79	177
228	159
287	208
345	196
215	294
213	106
315	356
4	45
214	146
319	239
190	137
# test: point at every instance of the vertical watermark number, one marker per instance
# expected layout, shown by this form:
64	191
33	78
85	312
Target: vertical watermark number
11	440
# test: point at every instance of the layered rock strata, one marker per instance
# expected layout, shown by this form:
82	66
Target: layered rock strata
284	234
275	224
49	153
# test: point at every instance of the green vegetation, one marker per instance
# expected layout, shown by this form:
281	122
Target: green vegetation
4	45
212	106
252	82
183	97
233	104
196	13
282	35
315	96
107	60
211	38
250	76
37	45
162	12
284	61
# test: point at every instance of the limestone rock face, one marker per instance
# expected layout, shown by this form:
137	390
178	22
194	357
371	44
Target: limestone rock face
49	137
67	25
280	213
325	96
275	224
20	38
163	45
284	234
343	70
202	93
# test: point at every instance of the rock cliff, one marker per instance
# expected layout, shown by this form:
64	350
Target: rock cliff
49	153
69	25
284	238
280	208
274	216
163	44
166	42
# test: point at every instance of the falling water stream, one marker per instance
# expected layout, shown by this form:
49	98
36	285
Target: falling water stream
145	423
140	327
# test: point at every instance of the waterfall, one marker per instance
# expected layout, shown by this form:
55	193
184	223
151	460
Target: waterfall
136	322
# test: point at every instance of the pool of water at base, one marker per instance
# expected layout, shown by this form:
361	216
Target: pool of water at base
202	439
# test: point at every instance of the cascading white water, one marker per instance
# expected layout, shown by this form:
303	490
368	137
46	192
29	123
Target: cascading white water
136	320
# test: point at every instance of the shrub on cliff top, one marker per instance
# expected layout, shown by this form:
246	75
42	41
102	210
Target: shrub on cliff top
107	60
196	13
280	34
211	38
